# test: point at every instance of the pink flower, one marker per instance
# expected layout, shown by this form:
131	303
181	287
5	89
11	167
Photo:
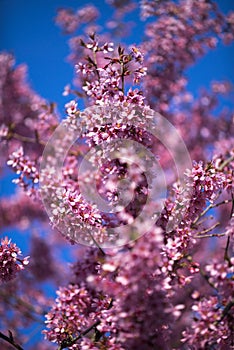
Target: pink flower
137	54
10	261
23	166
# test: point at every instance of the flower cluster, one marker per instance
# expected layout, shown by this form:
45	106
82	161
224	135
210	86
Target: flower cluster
221	278
85	211
132	277
209	327
73	312
203	183
69	315
26	168
10	261
178	33
207	180
104	77
213	315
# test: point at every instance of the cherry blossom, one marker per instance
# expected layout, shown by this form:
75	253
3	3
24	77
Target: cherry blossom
10	261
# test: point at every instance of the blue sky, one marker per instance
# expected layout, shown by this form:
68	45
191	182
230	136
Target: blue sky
27	29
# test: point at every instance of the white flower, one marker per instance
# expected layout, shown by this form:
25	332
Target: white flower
71	107
108	47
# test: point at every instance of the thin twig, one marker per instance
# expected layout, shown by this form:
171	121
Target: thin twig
211	206
27	139
208	229
226	256
65	343
232	210
226	310
96	244
10	340
207	279
122	76
210	217
211	235
226	162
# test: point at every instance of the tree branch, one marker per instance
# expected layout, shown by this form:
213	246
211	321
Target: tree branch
70	342
226	256
96	244
10	340
204	232
211	235
204	275
26	138
226	310
226	162
211	206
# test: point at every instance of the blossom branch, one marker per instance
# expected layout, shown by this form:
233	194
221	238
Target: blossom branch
70	342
